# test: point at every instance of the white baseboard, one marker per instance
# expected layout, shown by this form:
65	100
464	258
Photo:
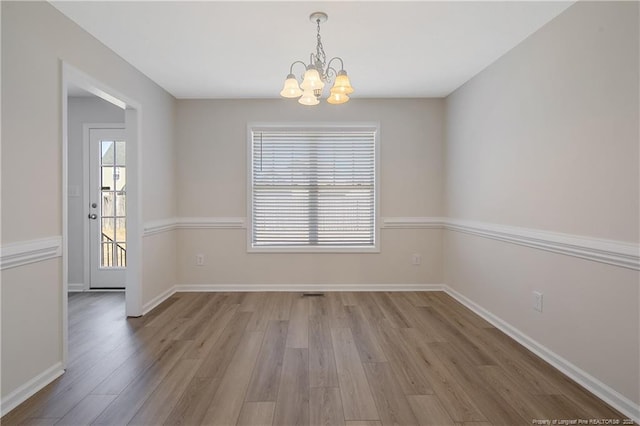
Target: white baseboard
307	287
158	300
590	383
75	287
27	390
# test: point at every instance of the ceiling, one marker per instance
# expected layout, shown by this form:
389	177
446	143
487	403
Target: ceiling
240	49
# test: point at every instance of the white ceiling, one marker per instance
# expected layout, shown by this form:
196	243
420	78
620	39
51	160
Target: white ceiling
239	49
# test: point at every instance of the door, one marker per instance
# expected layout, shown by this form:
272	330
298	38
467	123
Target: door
107	208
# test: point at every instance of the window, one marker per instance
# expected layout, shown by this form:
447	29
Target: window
313	188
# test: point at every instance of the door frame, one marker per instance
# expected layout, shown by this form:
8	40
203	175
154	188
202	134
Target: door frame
133	133
86	195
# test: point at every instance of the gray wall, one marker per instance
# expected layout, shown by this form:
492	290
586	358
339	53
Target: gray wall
35	38
212	182
546	138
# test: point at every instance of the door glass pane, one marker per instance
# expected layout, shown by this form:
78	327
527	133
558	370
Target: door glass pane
107	203
107	153
106	254
121	203
120	153
121	255
108	229
120	178
121	229
107	178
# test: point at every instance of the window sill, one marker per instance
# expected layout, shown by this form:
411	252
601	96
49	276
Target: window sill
316	250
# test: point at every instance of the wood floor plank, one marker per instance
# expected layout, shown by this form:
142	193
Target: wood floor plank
409	371
449	306
363	336
371	310
292	404
325	407
357	400
185	300
363	423
138	362
127	403
227	402
322	363
225	346
429	411
213	328
198	319
158	406
251	302
449	390
456	337
67	396
281	308
87	410
497	410
337	314
256	414
298	336
391	403
395	317
520	363
516	394
428	332
319	306
194	401
47	421
265	379
262	314
416	298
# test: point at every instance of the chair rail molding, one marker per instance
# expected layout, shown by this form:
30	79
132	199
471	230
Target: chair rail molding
211	223
612	252
413	222
25	252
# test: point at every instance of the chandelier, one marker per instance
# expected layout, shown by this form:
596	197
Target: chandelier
317	74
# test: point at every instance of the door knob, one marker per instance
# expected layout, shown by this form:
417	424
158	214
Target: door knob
93	216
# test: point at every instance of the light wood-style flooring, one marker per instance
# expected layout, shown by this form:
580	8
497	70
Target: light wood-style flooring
353	359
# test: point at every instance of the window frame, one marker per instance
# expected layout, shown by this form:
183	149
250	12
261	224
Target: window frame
324	126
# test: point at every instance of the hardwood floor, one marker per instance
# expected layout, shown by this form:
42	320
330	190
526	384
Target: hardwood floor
283	359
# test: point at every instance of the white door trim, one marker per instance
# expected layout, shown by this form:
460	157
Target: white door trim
133	116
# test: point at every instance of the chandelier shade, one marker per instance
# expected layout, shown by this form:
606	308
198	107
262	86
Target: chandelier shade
291	88
312	80
318	73
342	84
337	98
308	98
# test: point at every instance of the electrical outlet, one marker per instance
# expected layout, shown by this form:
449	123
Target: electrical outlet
416	259
537	301
199	259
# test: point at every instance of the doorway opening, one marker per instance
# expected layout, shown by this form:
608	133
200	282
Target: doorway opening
104	233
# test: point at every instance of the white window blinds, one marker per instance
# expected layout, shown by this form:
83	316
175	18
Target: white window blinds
313	188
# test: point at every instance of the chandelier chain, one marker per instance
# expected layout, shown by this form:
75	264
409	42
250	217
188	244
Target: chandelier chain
320	57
